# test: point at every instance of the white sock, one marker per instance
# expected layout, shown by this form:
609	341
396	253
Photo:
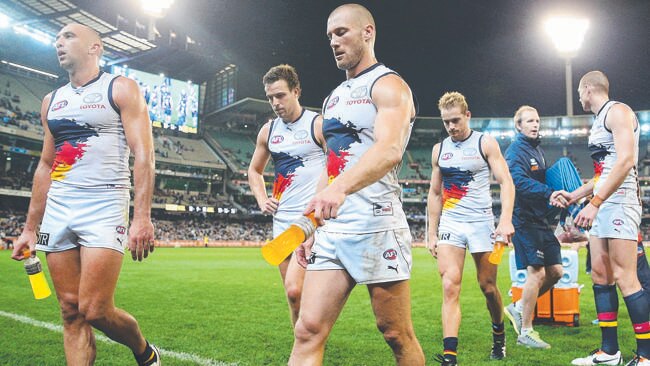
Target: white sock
525	331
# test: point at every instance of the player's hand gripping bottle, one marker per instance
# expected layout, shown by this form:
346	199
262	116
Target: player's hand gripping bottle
37	279
278	249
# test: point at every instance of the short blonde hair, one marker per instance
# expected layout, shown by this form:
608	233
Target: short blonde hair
453	99
520	111
596	79
360	12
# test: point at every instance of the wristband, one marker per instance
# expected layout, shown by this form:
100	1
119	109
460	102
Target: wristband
596	201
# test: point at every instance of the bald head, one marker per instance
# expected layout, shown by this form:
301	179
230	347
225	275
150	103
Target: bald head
88	36
597	80
356	13
351	32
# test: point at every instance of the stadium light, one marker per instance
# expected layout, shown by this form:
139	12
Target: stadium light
5	21
27	68
34	33
156	8
567	34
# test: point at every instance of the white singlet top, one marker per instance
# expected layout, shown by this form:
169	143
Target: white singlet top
465	180
603	152
298	160
91	148
349	120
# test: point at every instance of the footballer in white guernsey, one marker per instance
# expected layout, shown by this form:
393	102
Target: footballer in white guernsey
461	219
81	194
294	141
365	238
613	216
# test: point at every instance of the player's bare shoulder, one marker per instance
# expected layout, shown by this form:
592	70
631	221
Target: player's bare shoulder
391	88
263	134
435	152
126	92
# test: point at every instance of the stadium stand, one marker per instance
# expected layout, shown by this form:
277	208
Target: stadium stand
170	228
184	150
23	93
419	163
236	146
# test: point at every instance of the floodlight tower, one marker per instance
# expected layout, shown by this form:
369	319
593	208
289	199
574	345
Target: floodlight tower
155	9
567	34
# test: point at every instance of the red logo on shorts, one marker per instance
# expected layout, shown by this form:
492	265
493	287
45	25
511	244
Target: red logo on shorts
390	254
617	222
120	229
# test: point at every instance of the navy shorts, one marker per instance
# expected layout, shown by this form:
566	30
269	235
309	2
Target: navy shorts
535	246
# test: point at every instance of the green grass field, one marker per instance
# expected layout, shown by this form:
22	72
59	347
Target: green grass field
226	306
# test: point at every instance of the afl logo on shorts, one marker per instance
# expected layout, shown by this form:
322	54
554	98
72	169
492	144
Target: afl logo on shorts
59	105
447	156
43	238
390	254
93	98
618	222
277	139
120	229
333	102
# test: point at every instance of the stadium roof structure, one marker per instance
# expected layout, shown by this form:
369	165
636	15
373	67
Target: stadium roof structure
48	16
246	105
42	19
248	110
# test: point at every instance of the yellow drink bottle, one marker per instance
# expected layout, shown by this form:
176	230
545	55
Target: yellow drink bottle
497	252
37	279
278	249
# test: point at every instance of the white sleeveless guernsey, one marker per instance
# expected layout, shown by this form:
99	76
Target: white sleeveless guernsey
465	180
603	152
91	149
349	120
299	161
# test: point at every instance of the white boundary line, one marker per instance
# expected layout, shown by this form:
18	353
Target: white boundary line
59	329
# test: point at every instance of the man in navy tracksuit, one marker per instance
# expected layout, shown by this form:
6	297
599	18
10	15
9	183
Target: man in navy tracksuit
536	248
